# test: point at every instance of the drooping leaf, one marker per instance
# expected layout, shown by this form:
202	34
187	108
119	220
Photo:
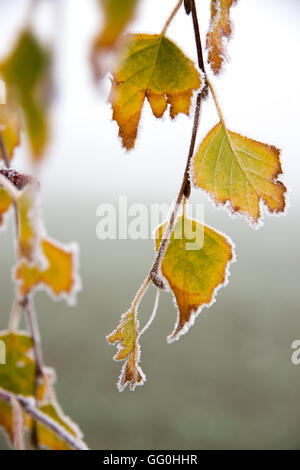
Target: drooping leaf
30	226
26	74
117	14
239	170
46	437
126	337
195	265
220	28
154	67
5	202
60	276
10	126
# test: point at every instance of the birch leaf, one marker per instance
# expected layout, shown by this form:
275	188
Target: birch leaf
5	202
60	276
126	337
220	28
117	14
241	171
26	73
10	125
154	67
195	265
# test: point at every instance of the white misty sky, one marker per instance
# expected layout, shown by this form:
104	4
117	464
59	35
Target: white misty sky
258	91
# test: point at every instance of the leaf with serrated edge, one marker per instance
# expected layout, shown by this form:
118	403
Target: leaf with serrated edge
10	126
220	28
26	74
152	66
242	171
126	338
194	275
60	277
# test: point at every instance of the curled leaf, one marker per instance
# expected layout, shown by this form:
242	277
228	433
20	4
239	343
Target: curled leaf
220	28
195	265
26	74
126	336
59	277
154	67
241	171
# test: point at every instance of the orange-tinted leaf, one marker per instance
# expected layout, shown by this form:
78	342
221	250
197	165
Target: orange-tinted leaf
239	170
10	126
126	338
60	276
220	28
152	66
26	74
195	265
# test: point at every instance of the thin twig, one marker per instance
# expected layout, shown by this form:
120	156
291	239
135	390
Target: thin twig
29	407
15	315
4	152
197	37
174	11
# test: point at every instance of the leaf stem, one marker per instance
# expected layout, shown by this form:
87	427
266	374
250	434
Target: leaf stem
171	17
30	408
216	101
4	152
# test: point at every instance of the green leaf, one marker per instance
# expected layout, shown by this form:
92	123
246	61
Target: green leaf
240	171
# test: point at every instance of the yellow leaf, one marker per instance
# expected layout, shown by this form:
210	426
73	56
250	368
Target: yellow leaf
26	73
239	170
154	67
220	28
195	265
10	126
46	437
5	202
126	337
117	14
60	276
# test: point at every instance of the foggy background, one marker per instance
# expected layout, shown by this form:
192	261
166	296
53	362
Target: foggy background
229	382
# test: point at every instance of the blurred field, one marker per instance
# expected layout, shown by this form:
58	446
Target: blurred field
229	383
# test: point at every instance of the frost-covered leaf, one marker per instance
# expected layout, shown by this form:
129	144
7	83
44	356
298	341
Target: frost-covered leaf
117	14
46	437
220	28
17	375
26	74
60	276
126	337
195	265
10	126
239	170
5	202
154	67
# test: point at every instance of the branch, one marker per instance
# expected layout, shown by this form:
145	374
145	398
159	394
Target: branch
29	407
186	185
